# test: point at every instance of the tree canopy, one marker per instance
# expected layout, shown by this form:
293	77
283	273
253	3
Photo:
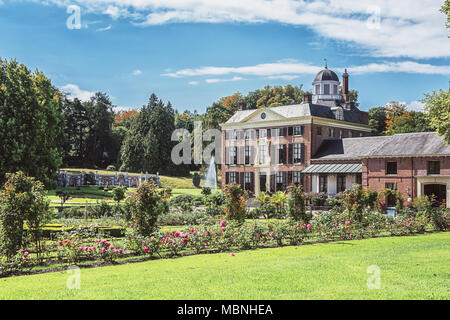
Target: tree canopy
30	123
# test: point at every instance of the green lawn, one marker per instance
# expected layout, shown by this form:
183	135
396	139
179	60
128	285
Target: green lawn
415	267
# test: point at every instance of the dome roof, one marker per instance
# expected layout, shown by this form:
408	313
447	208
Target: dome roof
325	75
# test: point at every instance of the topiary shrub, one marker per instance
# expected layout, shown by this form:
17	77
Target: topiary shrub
148	203
236	202
296	205
196	180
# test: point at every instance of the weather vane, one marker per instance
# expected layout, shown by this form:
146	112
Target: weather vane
326	63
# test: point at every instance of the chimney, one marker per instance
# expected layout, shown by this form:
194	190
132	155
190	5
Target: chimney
345	94
350	105
242	106
307	97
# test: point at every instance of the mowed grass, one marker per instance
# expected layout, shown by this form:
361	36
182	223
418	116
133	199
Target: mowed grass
414	267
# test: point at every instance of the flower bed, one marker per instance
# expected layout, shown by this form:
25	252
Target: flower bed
73	246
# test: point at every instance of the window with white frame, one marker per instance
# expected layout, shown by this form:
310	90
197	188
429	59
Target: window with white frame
233	177
296	177
298	131
323	183
297	153
326	89
233	155
280	177
318	89
263	133
262	153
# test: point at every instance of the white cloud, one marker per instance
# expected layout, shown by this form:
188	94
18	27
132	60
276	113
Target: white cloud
193	83
223	80
75	92
137	72
407	28
121	109
416	106
291	69
104	29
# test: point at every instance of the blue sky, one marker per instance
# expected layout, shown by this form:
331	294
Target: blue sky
193	52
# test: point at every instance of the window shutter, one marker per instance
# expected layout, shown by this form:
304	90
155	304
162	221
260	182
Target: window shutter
252	181
252	155
302	152
227	177
272	183
227	155
290	159
289	179
302	130
273	153
241	155
290	131
242	179
257	133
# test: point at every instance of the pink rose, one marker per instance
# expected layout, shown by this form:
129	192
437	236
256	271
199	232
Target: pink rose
192	230
103	250
308	226
223	223
146	250
177	234
185	240
232	254
60	243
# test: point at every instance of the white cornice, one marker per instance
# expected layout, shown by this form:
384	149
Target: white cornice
295	121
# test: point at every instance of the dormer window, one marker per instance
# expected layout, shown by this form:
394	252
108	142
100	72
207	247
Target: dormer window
339	114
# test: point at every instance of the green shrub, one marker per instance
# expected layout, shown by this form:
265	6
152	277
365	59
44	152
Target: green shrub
22	200
148	203
196	180
236	202
296	205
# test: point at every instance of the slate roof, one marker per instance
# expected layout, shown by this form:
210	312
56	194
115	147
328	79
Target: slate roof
422	143
302	110
334	168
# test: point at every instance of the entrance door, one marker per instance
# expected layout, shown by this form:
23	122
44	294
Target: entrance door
262	182
438	190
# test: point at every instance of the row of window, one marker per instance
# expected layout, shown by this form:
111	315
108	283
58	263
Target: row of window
295	154
433	167
340	183
250	134
327	89
334	133
280	177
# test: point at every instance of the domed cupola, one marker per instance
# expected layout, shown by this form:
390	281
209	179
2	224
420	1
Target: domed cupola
326	86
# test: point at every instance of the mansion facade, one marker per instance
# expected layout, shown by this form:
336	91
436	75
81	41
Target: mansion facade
325	144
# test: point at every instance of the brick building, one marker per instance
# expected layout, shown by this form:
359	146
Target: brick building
324	144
